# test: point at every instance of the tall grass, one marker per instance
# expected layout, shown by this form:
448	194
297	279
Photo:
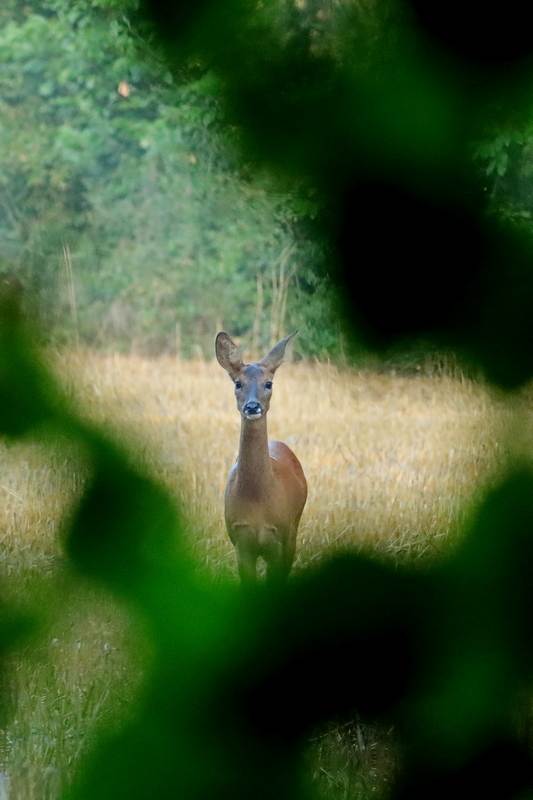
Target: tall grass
393	464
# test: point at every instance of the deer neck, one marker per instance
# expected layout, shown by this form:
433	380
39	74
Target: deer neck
254	471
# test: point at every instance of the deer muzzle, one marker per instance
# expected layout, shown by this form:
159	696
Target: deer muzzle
252	410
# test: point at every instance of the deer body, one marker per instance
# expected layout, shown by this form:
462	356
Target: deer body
266	489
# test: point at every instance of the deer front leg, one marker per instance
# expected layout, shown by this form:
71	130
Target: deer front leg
280	560
245	544
277	571
289	549
247	564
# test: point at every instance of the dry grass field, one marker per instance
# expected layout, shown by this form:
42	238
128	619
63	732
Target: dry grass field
393	463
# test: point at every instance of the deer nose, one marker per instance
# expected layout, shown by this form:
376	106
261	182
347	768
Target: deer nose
252	408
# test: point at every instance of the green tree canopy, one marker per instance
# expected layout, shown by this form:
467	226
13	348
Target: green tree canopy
123	204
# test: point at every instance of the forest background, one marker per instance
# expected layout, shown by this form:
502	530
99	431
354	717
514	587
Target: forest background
127	208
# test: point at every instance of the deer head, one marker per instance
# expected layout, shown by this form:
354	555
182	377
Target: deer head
253	382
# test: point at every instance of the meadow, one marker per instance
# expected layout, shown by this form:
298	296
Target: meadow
395	464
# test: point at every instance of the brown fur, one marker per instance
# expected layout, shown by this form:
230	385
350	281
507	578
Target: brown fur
266	489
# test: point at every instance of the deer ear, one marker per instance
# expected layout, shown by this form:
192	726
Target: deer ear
275	357
228	354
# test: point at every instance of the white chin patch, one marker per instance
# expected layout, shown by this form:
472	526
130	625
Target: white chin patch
254	416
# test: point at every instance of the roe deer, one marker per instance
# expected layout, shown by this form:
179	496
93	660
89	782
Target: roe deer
266	489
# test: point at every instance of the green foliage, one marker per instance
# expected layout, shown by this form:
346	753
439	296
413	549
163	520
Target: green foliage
103	156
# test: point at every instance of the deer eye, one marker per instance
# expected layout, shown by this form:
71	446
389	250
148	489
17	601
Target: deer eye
268	385
238	385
